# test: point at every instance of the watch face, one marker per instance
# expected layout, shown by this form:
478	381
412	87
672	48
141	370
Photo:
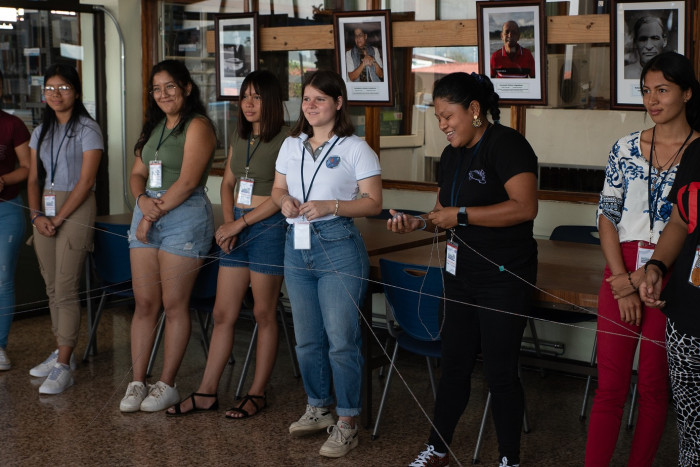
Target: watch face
462	218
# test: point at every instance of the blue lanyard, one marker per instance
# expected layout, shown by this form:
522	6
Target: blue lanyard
54	163
304	192
453	195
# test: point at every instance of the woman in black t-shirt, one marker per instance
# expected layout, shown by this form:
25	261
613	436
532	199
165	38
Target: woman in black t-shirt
488	199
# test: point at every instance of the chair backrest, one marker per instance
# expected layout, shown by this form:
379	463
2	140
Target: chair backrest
576	233
413	292
111	252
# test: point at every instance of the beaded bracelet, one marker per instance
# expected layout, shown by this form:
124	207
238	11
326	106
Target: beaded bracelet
336	208
629	278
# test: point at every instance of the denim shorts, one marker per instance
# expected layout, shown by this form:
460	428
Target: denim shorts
187	230
259	247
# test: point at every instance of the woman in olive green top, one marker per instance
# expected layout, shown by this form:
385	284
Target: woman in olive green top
252	243
172	227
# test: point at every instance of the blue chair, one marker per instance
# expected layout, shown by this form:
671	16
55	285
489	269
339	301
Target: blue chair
576	233
413	302
110	262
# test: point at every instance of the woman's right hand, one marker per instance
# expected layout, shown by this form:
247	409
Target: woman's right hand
620	285
150	207
142	230
290	206
44	226
650	288
402	223
226	236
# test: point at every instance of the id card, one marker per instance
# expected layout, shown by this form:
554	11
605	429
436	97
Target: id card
302	236
50	205
451	258
155	174
694	278
644	252
245	191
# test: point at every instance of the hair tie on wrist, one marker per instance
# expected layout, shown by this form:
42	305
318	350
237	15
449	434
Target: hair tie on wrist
659	264
245	221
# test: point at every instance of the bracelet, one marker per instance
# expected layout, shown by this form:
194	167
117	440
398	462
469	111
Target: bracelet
137	199
629	278
425	223
38	214
336	208
659	264
244	221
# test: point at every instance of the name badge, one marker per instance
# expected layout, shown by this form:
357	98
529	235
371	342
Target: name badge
155	174
451	258
245	191
50	205
694	278
302	236
644	252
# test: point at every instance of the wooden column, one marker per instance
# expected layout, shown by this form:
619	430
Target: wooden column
372	127
517	118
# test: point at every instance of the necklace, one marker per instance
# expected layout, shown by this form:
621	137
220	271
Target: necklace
671	159
253	138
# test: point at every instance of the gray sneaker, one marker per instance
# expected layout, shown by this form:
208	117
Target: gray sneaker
59	379
44	368
135	394
314	419
4	360
342	439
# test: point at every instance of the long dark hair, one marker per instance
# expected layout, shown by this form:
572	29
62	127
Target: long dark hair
272	110
677	69
193	102
331	84
462	88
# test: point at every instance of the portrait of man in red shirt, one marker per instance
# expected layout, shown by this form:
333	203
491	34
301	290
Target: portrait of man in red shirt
512	60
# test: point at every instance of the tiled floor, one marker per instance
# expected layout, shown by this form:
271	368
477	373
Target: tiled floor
83	426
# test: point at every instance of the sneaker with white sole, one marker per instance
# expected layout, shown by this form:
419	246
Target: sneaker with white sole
506	463
342	439
4	360
160	397
314	419
431	458
44	368
59	379
135	394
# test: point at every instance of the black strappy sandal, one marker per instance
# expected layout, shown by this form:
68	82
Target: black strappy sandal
248	398
179	413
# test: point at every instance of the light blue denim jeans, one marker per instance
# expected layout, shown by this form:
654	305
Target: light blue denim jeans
11	236
326	286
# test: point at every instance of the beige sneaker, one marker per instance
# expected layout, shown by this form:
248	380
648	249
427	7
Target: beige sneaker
314	419
342	439
160	397
135	394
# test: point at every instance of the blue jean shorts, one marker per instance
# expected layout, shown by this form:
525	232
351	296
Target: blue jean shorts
259	247
187	230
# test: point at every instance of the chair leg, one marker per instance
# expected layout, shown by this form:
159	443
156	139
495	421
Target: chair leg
246	363
91	348
526	423
479	439
633	405
290	346
582	415
203	327
386	390
156	344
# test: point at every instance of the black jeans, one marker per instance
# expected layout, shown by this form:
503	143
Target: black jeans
470	330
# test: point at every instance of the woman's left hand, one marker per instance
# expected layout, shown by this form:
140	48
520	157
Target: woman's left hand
142	230
226	235
445	218
620	283
314	209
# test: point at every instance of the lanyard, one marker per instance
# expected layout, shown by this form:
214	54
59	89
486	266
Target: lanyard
304	192
248	155
653	198
161	140
453	195
54	163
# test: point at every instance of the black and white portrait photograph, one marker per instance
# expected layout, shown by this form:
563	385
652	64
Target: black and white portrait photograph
236	52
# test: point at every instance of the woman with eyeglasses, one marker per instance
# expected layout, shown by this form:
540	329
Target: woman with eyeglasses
14	168
65	154
172	227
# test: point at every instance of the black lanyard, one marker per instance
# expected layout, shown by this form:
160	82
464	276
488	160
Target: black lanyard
304	192
54	163
248	155
161	140
453	195
654	199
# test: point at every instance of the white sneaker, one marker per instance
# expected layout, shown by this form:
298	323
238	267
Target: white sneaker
314	419
135	394
342	439
160	397
506	463
4	360
60	378
44	368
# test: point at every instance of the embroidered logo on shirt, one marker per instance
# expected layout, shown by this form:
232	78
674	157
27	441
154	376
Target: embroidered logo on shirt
478	176
332	162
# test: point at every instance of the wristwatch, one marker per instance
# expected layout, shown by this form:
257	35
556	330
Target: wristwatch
462	217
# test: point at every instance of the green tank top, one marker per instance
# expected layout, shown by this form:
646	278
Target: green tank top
262	160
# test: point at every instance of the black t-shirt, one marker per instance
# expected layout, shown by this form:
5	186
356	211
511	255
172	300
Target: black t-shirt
683	298
476	177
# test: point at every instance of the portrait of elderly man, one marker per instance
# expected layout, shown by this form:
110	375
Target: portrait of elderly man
512	60
363	61
649	36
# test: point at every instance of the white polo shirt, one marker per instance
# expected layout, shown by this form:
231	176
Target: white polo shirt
343	161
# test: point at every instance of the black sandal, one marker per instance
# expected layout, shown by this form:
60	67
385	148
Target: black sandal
178	410
248	398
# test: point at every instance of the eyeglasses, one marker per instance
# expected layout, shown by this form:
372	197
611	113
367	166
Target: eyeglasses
168	90
62	89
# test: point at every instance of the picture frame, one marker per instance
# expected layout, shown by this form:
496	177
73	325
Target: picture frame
517	70
640	30
365	37
236	52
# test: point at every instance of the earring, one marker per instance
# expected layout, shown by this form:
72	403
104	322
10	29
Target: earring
477	122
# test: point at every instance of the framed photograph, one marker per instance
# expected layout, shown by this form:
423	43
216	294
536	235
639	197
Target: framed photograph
236	52
363	48
512	49
640	31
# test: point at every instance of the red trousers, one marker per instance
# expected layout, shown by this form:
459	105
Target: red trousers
615	355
